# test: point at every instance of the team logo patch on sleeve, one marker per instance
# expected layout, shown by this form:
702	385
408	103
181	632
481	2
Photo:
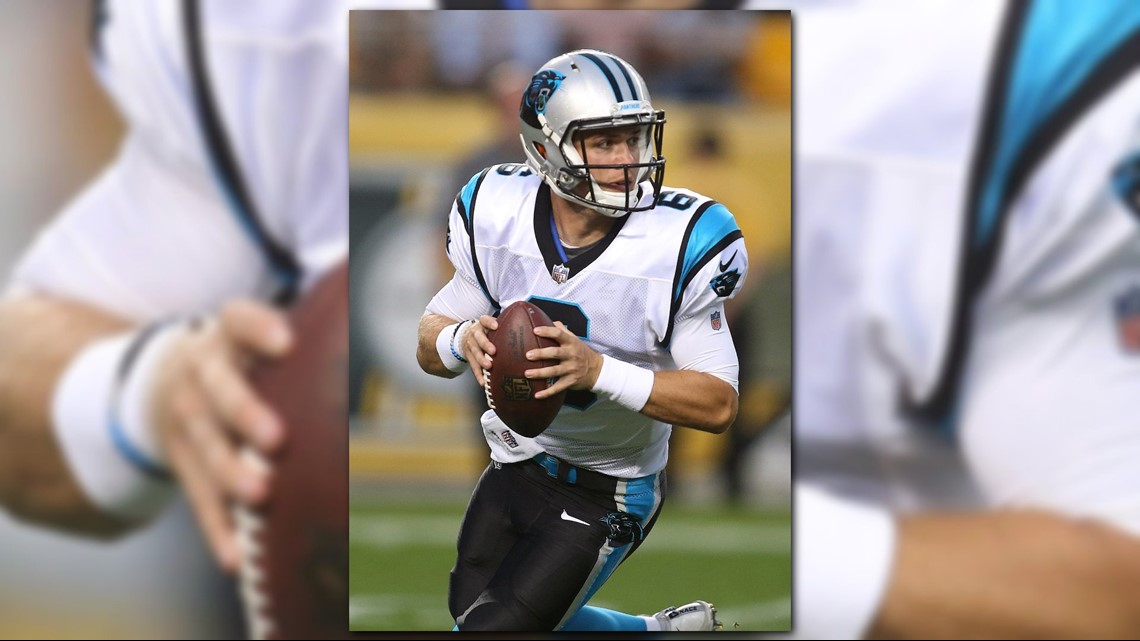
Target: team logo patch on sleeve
714	320
724	283
1128	319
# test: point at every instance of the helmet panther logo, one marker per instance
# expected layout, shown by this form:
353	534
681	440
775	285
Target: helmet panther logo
542	86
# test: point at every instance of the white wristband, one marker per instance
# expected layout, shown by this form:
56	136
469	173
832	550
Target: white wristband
449	345
625	384
844	551
101	417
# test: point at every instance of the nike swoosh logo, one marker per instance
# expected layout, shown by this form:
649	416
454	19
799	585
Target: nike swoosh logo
724	266
567	517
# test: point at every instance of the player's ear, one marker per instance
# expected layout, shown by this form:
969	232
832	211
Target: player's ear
541	149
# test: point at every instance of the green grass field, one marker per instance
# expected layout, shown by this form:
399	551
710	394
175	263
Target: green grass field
740	560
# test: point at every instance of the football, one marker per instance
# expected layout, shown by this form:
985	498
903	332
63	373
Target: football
294	550
509	393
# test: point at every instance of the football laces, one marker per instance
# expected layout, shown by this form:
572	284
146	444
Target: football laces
252	577
487	388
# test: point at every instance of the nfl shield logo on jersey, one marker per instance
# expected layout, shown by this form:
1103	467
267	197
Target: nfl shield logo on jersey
560	273
1128	319
714	318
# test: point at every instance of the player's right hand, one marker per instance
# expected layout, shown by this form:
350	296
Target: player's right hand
477	348
206	411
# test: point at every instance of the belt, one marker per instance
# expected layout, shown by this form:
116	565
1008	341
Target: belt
572	475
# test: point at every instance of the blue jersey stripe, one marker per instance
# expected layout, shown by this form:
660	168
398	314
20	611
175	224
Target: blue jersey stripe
642	496
713	226
1061	46
1054	62
467	199
467	196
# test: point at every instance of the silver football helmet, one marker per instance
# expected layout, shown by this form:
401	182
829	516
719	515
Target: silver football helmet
584	91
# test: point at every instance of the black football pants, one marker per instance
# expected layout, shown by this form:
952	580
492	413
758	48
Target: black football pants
540	537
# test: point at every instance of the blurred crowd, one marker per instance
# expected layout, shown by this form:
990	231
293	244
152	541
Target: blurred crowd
457	50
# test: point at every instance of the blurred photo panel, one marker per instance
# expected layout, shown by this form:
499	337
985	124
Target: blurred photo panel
169	342
966	271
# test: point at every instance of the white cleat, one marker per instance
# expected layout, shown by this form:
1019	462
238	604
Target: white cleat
698	616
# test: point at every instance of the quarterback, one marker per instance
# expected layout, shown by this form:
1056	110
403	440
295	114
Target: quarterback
635	275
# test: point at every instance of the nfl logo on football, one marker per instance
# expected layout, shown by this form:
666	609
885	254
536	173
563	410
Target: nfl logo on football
714	319
1128	319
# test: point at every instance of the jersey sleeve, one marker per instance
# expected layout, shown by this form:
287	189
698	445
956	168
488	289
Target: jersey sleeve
460	240
460	299
702	343
712	265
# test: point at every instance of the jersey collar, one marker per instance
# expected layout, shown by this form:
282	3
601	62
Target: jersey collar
549	245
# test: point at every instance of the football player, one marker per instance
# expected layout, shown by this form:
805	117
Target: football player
967	290
635	275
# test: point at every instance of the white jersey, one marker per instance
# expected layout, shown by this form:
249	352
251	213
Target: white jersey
658	274
968	248
227	184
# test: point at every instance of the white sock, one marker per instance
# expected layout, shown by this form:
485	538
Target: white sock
652	624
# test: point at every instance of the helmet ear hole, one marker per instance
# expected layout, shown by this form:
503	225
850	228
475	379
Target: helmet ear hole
540	148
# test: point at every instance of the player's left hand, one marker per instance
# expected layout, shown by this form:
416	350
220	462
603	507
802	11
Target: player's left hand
578	365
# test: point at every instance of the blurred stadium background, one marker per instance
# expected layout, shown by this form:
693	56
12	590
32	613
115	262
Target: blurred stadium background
434	99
